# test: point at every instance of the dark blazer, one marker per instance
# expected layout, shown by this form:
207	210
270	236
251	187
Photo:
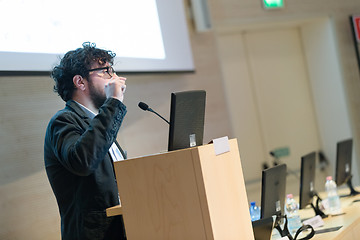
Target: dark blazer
81	172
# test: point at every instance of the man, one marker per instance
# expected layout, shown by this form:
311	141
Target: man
80	143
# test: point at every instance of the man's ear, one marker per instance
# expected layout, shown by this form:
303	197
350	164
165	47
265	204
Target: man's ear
79	82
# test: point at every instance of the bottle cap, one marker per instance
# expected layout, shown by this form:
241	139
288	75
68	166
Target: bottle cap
289	195
253	203
328	178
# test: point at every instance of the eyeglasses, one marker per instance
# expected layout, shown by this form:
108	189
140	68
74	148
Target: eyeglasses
109	70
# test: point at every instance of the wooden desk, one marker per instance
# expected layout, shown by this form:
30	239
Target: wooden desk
114	211
350	220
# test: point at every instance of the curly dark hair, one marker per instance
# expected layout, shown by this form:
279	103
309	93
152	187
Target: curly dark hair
77	62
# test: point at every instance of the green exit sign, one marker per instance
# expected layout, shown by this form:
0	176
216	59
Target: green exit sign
273	4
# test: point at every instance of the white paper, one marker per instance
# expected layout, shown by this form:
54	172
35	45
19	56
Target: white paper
315	222
221	145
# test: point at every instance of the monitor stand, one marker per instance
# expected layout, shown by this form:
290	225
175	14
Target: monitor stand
285	231
278	222
353	192
316	208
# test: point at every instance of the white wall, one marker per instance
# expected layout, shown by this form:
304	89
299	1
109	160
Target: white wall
327	83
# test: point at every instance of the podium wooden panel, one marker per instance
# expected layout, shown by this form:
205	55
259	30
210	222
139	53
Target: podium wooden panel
185	194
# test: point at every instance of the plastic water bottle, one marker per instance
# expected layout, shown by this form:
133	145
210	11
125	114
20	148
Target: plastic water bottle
292	213
254	211
332	196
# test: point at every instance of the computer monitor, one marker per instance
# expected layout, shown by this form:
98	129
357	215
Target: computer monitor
273	191
307	181
343	165
187	113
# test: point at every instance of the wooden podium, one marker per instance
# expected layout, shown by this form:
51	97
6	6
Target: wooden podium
185	194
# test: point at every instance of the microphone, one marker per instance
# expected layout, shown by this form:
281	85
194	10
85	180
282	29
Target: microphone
145	107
